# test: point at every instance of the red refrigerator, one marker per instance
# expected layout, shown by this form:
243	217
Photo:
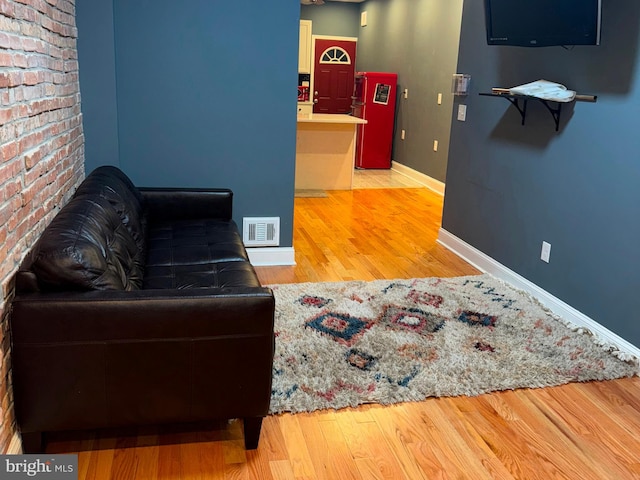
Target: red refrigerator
374	100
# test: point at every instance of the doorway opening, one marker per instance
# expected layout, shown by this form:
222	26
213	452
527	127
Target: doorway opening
333	73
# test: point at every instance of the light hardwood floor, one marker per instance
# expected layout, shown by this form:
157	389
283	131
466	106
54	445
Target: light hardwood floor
578	431
384	178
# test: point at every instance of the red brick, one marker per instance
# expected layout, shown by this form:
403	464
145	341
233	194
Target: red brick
7	8
29	14
5	214
20	60
15	42
6	59
11	78
12	188
5	115
8	171
41	141
9	150
5	40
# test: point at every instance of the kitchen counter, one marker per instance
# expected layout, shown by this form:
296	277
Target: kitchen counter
330	118
325	151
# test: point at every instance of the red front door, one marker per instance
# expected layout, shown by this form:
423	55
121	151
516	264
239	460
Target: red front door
335	62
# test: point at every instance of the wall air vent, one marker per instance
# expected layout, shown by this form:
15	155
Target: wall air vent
261	231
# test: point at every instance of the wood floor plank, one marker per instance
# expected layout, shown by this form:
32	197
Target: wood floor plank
342	464
258	465
378	461
477	450
147	451
102	463
95	459
399	432
297	447
318	446
282	470
125	461
530	449
594	436
273	445
453	452
351	430
556	440
169	460
587	431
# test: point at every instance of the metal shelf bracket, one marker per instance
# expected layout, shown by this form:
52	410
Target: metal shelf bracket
520	102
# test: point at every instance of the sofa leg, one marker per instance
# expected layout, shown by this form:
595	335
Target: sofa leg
32	442
252	427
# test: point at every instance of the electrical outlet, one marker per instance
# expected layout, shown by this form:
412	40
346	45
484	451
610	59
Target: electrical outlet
435	145
462	113
363	19
546	252
439	99
402	134
406	93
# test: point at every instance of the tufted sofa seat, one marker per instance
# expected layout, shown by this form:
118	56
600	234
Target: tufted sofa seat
139	306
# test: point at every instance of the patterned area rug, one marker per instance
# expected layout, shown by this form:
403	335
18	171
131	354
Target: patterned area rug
345	344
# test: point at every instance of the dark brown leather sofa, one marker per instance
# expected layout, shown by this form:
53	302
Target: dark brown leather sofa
136	307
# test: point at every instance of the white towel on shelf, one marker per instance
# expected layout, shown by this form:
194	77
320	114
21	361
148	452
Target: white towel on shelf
545	90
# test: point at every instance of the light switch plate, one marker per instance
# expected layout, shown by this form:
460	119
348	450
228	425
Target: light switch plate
462	113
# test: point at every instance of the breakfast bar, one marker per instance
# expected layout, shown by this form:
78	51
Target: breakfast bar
325	151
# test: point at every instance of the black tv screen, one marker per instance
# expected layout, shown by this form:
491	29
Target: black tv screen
543	23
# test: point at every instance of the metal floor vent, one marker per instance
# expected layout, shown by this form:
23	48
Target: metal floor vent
261	231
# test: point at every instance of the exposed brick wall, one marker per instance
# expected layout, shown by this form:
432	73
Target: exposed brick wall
41	144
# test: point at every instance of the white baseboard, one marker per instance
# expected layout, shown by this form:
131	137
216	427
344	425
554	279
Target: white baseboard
484	263
429	182
271	256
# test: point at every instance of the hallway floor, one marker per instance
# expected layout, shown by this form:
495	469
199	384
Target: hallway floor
383	179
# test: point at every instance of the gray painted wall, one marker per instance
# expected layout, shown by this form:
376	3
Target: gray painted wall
333	18
509	187
418	39
203	94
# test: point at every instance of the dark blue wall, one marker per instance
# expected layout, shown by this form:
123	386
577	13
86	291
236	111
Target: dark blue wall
203	97
96	55
509	187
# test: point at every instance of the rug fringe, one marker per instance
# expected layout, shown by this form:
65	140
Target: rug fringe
596	339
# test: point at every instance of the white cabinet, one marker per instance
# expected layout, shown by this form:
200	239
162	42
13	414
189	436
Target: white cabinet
305	108
304	52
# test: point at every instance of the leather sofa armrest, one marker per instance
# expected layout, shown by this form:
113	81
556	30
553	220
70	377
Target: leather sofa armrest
187	203
141	315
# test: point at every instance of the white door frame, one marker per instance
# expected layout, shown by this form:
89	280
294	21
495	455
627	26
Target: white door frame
313	55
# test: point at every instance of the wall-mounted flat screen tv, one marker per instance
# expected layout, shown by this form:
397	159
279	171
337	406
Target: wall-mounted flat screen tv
543	23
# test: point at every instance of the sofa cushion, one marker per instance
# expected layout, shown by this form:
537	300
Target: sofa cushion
87	247
113	185
192	242
213	275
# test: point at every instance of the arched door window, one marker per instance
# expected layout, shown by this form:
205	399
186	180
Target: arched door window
335	55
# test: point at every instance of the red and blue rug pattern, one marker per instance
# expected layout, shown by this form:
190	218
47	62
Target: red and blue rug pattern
345	344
